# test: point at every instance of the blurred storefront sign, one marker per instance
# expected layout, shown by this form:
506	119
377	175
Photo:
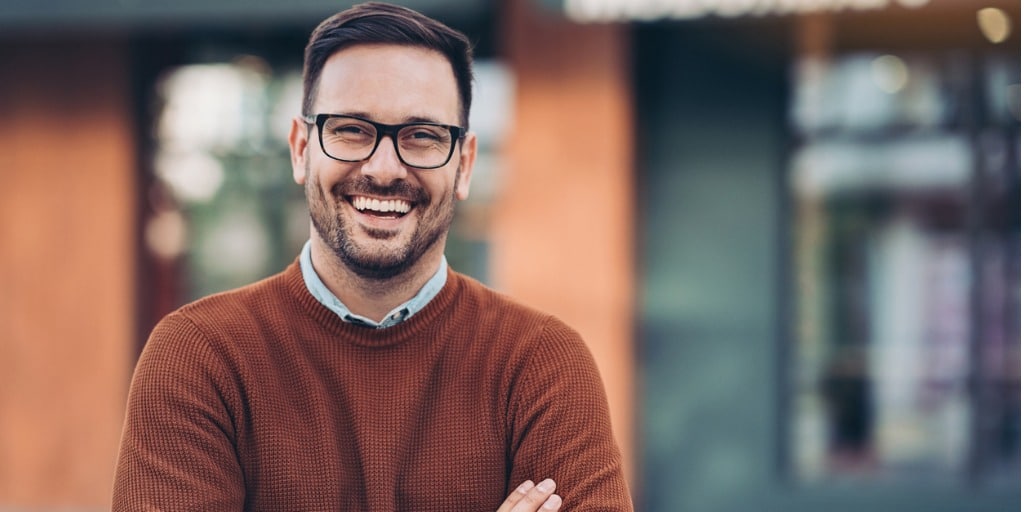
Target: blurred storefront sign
645	10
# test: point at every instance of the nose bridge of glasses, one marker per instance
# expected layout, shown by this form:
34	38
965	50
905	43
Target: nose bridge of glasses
390	132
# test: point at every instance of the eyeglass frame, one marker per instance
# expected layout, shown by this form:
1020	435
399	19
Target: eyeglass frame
391	130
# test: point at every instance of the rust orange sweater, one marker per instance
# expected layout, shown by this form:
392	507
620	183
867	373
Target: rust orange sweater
263	399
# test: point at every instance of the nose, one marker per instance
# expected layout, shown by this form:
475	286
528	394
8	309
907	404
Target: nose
384	166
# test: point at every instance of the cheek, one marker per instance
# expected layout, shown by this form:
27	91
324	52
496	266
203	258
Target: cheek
323	175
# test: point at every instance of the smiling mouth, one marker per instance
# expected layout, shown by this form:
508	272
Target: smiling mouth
387	208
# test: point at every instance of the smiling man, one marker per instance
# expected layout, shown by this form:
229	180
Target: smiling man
368	375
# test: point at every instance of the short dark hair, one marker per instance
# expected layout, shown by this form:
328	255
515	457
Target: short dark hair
380	23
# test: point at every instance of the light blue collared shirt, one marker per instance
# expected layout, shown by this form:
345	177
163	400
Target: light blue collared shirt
405	310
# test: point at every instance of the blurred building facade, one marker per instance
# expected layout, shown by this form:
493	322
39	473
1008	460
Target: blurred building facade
789	231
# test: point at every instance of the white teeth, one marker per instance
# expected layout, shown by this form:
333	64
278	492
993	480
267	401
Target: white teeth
389	205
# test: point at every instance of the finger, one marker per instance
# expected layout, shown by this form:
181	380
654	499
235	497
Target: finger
554	502
516	496
536	497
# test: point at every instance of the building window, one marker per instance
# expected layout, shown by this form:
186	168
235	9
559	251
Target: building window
224	203
904	352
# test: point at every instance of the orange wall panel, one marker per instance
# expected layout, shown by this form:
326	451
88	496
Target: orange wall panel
67	231
564	223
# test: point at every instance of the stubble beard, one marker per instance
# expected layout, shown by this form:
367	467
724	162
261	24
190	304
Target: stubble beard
374	261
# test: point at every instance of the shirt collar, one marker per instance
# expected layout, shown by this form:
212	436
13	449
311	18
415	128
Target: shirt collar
319	291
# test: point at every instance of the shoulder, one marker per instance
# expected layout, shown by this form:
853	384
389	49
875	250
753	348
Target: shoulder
522	336
240	302
216	322
243	309
498	310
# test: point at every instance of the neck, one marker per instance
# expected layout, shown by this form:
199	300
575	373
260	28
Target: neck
370	297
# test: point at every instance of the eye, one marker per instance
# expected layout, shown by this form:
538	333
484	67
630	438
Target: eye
350	129
422	135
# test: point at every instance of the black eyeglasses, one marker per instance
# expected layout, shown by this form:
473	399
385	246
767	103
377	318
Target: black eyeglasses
354	139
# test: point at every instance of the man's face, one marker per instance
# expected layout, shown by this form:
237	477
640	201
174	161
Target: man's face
378	216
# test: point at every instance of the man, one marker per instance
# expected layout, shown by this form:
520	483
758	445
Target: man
368	375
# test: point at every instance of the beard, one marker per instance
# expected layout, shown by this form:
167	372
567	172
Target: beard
381	254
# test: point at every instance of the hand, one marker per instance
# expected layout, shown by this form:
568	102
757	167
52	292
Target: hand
532	498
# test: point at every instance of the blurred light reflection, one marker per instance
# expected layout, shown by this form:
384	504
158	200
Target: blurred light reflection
994	24
167	234
193	176
890	73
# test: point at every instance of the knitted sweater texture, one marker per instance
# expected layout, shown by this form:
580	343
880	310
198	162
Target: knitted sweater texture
262	399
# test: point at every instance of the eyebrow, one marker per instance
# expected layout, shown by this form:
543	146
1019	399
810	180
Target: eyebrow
406	120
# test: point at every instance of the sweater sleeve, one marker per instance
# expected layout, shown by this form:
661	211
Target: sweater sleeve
560	425
177	448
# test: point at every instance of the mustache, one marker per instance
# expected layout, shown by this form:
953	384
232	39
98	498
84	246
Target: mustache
366	186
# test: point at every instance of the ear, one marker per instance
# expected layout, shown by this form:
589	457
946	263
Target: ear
467	157
298	143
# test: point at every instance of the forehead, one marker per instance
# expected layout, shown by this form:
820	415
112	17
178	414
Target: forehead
389	83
